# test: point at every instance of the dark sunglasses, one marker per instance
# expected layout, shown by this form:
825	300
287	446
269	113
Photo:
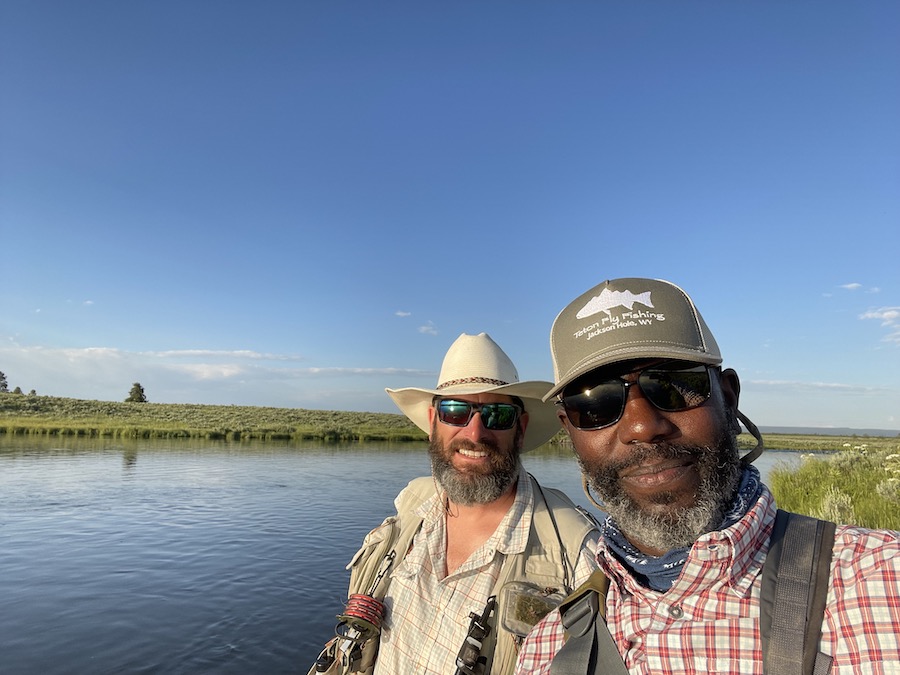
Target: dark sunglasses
591	405
494	416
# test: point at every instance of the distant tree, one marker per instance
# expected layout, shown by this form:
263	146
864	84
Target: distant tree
136	395
32	393
4	386
18	390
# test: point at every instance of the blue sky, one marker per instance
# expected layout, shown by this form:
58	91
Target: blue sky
298	204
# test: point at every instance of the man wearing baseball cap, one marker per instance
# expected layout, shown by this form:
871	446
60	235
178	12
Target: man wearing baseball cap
691	533
479	551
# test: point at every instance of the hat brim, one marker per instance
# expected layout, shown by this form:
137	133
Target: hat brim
630	353
543	423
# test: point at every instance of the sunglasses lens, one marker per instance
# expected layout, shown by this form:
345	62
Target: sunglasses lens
667	389
494	416
498	416
673	390
454	413
596	407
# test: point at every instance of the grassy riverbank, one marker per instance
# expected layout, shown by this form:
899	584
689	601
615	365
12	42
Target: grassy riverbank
50	415
851	479
860	485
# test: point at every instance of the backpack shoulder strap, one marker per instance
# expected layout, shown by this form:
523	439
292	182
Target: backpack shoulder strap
793	591
589	648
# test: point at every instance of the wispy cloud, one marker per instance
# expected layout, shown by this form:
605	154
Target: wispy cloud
857	286
799	385
428	329
400	312
890	318
242	354
240	377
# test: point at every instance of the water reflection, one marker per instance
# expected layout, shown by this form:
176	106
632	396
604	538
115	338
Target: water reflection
191	556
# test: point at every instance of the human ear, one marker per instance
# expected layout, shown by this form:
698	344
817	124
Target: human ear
730	384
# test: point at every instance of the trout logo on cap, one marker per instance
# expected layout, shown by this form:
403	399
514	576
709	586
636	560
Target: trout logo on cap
608	300
628	319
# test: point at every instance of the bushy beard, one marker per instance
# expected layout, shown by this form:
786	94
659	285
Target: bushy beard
720	475
474	487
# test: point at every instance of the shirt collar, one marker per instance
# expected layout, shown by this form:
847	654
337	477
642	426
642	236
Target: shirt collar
739	549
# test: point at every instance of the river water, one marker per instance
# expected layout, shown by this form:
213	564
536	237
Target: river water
193	557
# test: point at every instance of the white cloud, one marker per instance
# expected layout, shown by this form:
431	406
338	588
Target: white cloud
400	312
798	385
890	318
887	315
428	329
852	287
239	377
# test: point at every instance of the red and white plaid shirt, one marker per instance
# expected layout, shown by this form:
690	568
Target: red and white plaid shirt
427	612
708	621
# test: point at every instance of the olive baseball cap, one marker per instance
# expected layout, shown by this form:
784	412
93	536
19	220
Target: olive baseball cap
624	319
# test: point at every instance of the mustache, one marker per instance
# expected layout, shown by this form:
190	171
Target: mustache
467	444
654	451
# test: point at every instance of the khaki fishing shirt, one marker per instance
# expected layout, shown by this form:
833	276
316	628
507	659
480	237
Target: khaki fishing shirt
427	616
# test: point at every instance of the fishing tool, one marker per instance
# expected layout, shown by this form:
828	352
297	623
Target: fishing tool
470	653
360	621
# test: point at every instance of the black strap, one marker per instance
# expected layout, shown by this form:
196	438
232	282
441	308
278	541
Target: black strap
590	647
793	591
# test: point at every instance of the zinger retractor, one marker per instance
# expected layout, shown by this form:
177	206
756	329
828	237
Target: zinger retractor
361	621
363	612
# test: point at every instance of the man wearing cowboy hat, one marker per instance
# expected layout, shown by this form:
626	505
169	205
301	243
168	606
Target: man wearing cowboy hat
482	550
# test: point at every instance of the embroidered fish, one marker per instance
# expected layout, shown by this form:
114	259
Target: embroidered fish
608	299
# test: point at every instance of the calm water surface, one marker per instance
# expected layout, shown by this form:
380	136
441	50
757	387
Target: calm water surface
192	557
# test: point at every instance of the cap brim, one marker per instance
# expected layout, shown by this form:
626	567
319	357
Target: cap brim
631	354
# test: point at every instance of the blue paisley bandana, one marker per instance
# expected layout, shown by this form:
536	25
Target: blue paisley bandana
661	573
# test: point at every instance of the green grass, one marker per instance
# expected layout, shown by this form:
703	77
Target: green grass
859	485
49	415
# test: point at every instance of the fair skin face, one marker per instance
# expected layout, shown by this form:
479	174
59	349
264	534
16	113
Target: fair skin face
656	485
469	450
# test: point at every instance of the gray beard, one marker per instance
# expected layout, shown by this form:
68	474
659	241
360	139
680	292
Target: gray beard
720	475
470	487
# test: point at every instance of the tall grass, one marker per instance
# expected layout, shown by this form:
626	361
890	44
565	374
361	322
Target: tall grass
49	415
859	485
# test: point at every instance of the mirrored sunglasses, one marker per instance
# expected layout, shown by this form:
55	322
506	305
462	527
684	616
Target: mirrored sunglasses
494	416
670	389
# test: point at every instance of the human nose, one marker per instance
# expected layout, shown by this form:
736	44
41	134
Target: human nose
641	421
475	429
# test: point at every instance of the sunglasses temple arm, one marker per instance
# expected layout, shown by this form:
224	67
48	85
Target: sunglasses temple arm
587	490
751	427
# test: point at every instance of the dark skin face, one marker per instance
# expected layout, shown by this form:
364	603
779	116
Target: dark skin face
655	482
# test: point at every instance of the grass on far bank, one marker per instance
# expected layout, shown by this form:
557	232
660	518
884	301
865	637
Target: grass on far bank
50	415
859	485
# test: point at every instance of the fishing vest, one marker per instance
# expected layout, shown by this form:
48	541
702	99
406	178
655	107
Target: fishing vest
793	592
558	531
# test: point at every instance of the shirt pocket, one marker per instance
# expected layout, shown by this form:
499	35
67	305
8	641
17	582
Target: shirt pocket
722	646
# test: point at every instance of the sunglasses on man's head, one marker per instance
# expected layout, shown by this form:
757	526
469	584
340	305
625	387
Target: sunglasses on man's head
669	387
494	416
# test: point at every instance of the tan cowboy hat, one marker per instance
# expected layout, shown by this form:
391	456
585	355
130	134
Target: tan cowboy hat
475	364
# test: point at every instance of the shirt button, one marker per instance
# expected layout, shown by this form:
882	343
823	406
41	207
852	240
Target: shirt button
676	612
